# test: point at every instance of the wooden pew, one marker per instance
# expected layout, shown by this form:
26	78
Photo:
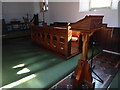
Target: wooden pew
57	39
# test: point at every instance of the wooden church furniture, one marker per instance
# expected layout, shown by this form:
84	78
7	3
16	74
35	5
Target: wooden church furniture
59	24
56	39
105	39
87	26
75	36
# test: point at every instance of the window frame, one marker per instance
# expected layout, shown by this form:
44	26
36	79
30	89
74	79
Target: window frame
84	6
98	8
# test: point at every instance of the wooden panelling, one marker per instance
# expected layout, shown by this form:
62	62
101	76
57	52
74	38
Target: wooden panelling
106	41
55	39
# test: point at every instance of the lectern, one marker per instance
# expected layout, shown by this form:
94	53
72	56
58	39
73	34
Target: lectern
87	26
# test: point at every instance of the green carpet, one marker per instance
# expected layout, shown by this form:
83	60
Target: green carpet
16	34
47	67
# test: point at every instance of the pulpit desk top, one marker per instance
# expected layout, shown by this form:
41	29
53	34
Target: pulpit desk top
88	24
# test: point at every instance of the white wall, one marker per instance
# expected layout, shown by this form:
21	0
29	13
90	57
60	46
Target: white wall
119	14
20	9
69	11
17	10
0	10
58	11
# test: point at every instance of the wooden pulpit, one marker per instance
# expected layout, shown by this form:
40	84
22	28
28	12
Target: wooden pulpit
86	26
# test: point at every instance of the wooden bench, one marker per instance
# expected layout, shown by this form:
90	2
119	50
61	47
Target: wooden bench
57	39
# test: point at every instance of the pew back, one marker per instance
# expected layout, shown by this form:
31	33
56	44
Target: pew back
56	39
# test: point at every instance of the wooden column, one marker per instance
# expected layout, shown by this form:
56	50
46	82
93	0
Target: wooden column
82	73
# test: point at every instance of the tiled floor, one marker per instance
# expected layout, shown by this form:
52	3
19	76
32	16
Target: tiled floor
106	67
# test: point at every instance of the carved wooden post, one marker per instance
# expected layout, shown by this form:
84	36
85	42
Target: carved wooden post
85	40
82	72
87	26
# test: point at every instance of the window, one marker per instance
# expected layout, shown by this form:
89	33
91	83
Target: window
100	3
44	5
87	5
